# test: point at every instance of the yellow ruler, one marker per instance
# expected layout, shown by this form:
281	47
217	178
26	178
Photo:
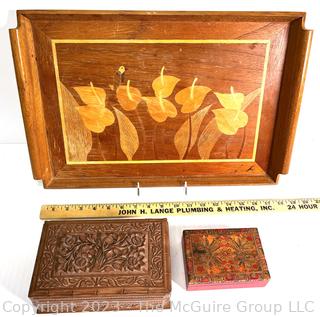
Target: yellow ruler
164	209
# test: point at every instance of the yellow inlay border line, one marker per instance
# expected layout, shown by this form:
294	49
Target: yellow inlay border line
170	41
62	117
264	76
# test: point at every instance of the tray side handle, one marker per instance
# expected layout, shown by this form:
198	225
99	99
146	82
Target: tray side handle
298	49
24	58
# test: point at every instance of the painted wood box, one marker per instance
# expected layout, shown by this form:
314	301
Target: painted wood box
159	98
102	265
224	258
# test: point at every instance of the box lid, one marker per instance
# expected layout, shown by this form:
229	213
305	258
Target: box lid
225	258
159	98
109	259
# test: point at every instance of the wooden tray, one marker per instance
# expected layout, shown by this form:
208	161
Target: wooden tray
116	98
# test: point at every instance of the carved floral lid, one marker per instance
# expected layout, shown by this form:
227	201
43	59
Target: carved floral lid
80	258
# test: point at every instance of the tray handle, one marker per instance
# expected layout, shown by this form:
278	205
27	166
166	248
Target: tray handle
299	43
29	93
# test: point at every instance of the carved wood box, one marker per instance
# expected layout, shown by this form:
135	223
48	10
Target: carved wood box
224	258
159	98
102	265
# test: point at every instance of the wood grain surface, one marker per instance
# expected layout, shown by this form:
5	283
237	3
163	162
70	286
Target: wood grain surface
116	98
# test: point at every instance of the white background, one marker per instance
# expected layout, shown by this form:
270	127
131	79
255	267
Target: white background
290	240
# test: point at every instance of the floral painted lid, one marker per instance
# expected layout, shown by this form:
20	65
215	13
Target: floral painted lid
223	258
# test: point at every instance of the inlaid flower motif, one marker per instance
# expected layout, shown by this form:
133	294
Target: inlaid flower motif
94	114
231	117
191	98
129	97
199	127
164	84
160	108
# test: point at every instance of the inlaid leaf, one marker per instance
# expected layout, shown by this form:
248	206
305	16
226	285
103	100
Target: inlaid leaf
181	139
95	118
91	95
129	97
129	140
191	97
160	109
208	138
185	138
196	121
164	84
250	97
79	139
229	120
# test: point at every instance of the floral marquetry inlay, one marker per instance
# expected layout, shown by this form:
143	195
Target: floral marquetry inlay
148	110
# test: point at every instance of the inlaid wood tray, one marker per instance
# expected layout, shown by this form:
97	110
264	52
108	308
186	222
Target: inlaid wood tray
159	98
